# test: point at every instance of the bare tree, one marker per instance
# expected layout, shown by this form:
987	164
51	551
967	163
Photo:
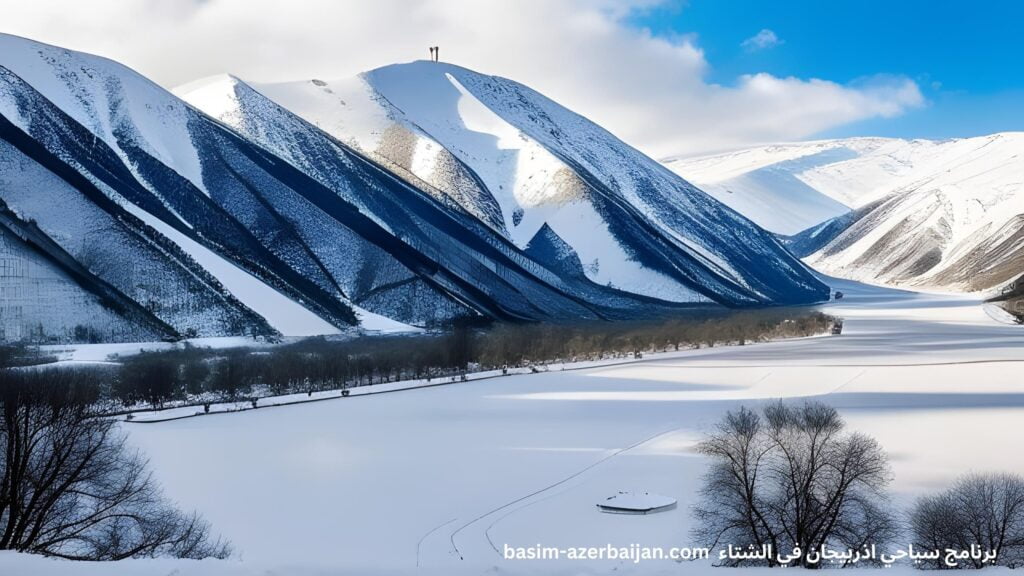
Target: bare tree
981	510
792	477
69	486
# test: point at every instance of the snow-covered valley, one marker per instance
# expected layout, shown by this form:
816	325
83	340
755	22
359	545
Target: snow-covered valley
437	478
405	321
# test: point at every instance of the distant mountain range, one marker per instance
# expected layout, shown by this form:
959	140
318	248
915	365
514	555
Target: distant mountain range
411	195
914	213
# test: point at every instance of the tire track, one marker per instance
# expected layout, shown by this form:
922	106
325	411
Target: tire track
564	480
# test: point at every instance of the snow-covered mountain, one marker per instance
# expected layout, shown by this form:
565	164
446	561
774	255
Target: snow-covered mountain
250	218
539	175
776	186
466	257
48	292
136	154
939	214
52	202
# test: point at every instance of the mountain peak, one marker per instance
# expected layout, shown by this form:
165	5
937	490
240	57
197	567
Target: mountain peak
519	161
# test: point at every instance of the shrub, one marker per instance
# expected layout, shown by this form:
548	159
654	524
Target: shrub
981	510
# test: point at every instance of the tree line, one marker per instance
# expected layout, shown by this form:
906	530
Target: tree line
199	375
13	355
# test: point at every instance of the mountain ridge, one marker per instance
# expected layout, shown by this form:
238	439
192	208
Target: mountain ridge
940	214
288	222
531	184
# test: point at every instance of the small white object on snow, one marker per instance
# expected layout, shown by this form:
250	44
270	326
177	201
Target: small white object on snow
636	503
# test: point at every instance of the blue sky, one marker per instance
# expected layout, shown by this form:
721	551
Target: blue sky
672	77
967	57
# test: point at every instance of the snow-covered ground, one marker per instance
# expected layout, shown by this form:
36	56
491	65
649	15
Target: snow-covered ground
93	353
440	477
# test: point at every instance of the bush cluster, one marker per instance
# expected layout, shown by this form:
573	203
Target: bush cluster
204	375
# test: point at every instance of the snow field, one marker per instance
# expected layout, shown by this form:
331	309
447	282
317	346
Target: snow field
434	475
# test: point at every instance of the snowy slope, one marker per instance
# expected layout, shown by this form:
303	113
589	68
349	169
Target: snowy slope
47	297
321	234
92	230
939	214
408	196
950	215
457	258
115	104
472	261
281	312
257	232
776	185
531	169
351	111
151	154
927	376
316	239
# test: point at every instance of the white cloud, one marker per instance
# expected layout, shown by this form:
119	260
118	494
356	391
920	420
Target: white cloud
761	41
649	90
